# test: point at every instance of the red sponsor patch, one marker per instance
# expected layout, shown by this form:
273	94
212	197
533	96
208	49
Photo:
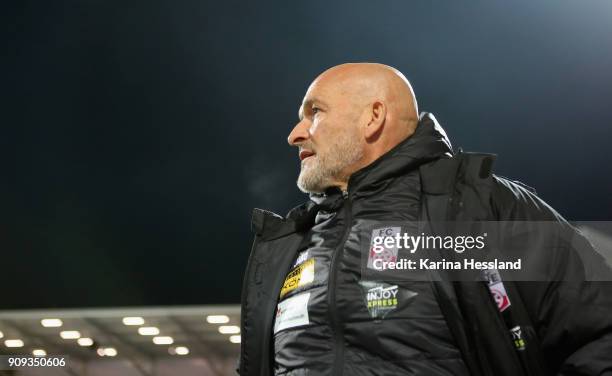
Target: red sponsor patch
498	291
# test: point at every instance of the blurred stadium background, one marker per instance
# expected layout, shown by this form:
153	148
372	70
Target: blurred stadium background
126	341
137	137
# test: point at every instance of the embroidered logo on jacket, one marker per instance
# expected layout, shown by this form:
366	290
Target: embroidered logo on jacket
386	254
380	298
517	337
299	276
292	312
497	289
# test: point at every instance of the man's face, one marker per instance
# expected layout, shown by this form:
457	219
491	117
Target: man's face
328	136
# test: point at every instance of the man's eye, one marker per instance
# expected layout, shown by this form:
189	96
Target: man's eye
315	110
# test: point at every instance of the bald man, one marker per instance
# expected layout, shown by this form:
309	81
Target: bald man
369	159
351	115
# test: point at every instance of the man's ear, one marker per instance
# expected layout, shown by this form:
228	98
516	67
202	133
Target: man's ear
378	114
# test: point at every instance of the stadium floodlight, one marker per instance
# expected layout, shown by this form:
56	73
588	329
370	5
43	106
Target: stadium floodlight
133	321
229	329
148	331
51	323
85	341
70	334
217	319
163	340
13	343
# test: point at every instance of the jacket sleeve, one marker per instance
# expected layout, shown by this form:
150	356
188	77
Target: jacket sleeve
571	312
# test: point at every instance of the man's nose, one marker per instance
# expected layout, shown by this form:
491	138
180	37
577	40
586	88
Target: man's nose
299	133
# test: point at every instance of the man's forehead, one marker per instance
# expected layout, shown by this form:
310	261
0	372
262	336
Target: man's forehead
316	93
328	88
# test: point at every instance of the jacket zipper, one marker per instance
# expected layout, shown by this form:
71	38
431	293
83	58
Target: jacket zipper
336	327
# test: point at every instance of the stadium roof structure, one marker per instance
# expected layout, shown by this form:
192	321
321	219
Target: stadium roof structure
128	341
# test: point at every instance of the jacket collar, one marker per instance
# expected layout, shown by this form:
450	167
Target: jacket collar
271	226
429	142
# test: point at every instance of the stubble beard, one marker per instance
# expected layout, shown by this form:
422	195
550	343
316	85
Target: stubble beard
323	169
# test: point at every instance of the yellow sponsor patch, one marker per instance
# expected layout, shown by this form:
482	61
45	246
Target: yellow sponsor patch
301	275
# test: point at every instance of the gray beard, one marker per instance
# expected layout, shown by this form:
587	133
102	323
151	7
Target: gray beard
320	172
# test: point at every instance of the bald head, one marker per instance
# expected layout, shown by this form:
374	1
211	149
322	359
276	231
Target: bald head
365	83
351	115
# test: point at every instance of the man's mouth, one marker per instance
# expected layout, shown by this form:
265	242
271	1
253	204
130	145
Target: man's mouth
305	154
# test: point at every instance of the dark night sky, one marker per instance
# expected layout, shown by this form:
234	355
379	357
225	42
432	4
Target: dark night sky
137	136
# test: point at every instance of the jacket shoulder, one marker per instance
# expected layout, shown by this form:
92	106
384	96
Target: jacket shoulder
513	200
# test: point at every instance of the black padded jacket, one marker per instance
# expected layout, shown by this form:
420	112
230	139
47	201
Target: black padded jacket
442	327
